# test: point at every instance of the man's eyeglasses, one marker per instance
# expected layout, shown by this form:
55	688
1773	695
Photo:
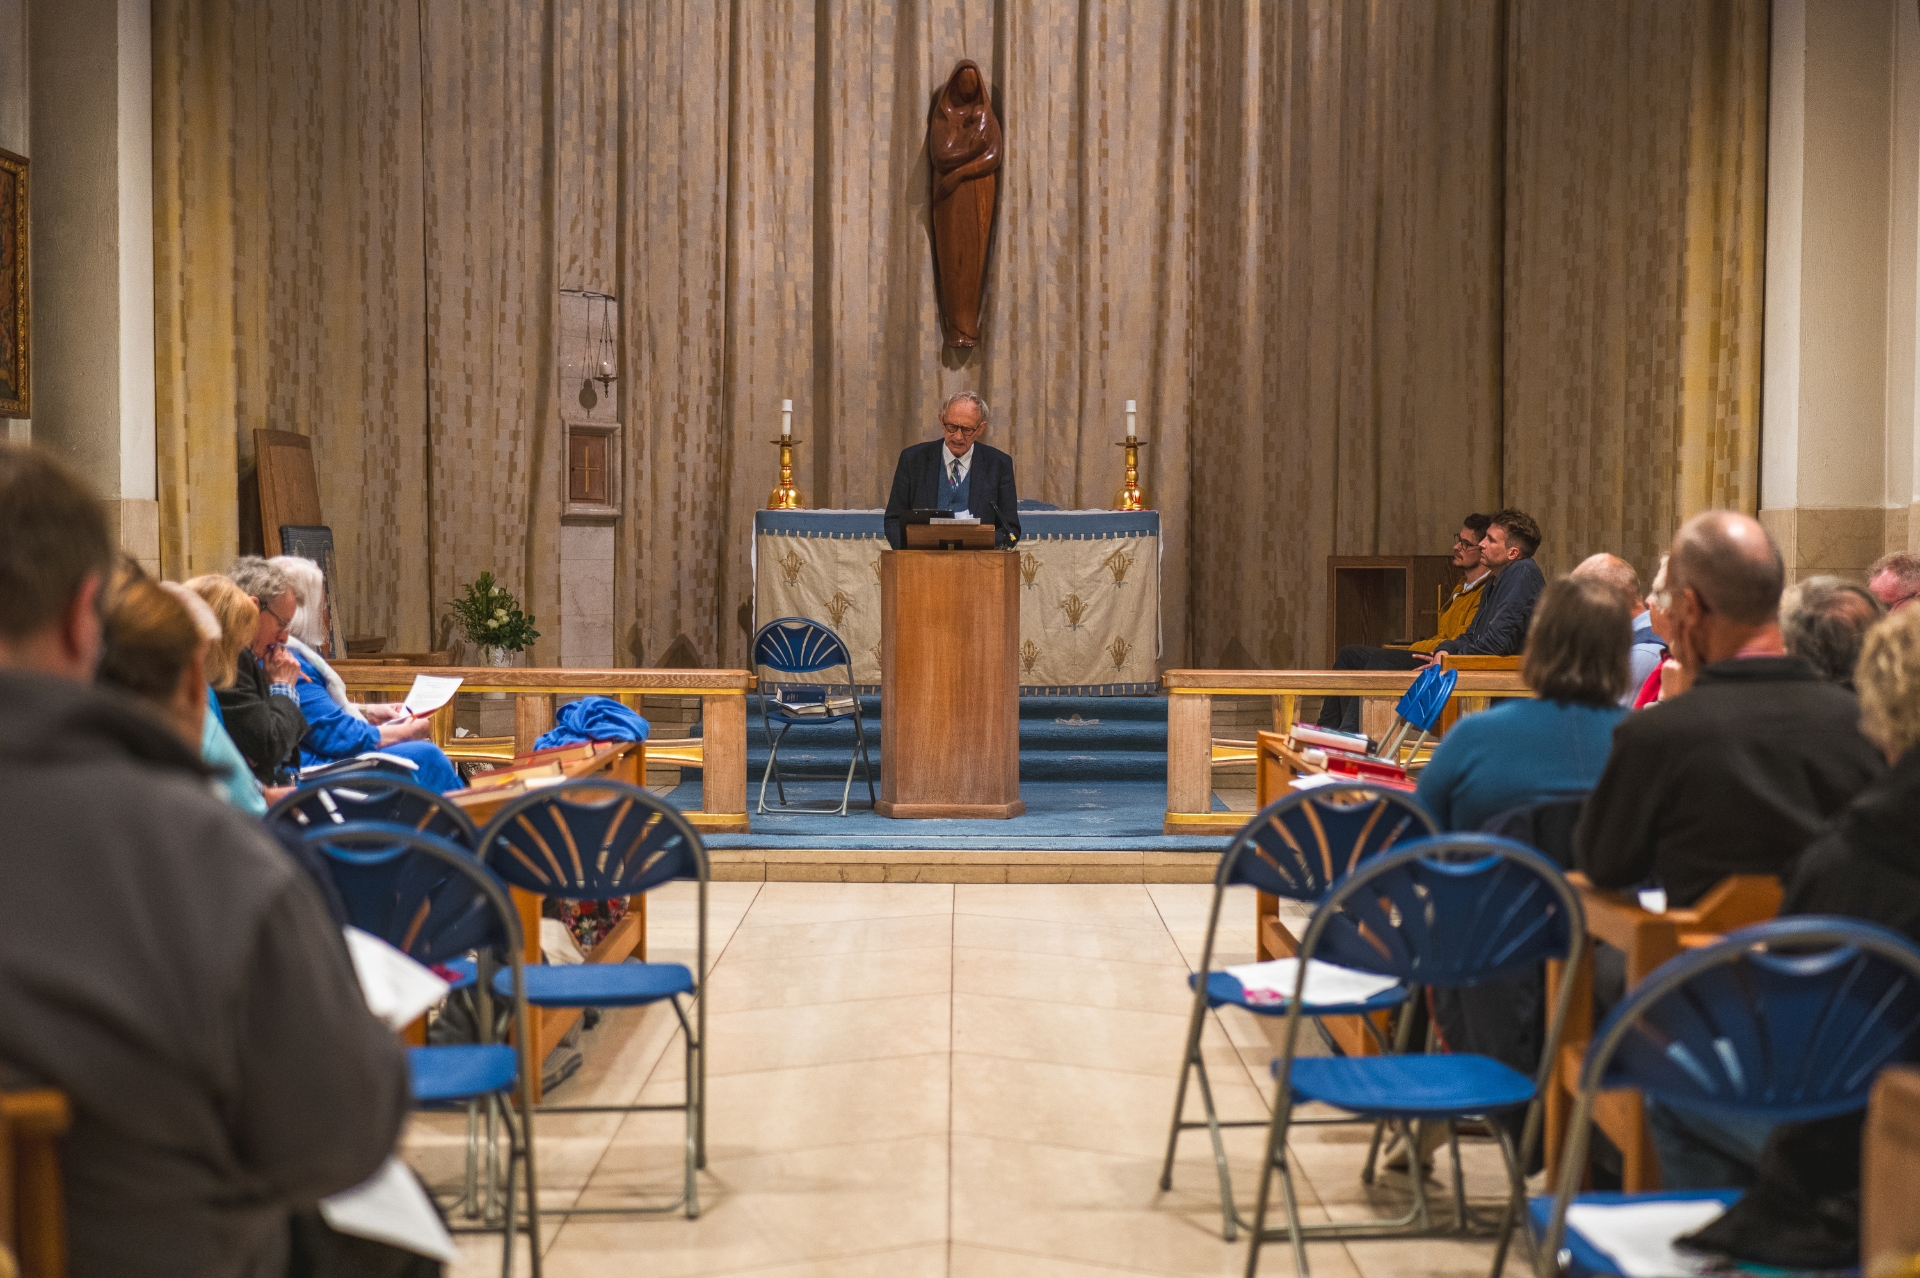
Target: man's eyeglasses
1468	543
965	432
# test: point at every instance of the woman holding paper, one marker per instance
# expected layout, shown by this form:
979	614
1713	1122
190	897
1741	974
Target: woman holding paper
336	727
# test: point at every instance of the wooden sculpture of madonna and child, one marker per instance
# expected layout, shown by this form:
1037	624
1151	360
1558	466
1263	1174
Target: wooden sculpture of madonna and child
964	150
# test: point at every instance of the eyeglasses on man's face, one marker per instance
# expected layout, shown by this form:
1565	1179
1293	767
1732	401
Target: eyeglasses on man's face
965	432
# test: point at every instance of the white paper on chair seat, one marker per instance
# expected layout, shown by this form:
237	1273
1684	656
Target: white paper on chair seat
397	989
1328	984
390	1207
1639	1236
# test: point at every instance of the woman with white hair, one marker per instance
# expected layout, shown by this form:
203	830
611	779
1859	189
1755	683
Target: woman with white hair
336	727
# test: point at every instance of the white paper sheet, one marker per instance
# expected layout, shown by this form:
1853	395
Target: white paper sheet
1314	780
1328	984
397	989
1639	1236
391	1208
430	692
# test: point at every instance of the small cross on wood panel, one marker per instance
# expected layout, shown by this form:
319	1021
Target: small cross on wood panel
587	468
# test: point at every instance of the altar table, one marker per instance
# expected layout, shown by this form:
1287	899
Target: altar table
1089	592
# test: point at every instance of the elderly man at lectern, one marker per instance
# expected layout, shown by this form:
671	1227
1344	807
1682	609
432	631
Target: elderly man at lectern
956	473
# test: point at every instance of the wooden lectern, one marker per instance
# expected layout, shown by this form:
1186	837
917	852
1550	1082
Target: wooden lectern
950	683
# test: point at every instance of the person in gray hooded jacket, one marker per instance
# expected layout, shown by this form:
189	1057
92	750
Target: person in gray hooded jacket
162	961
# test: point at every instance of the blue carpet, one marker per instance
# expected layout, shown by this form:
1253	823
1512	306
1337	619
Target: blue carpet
1093	774
1117	816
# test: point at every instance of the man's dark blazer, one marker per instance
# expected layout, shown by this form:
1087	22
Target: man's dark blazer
990	495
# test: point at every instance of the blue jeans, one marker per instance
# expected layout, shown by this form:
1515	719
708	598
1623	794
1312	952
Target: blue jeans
436	771
1699	1149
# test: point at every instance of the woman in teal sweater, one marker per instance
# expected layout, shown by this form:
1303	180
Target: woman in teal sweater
1525	751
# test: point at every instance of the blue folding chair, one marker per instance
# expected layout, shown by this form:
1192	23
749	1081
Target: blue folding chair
434	901
1790	1020
1420	706
374	796
1447	911
596	840
797	646
1296	847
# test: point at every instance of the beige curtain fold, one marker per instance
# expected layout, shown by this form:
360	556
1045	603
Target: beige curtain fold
1635	232
1365	267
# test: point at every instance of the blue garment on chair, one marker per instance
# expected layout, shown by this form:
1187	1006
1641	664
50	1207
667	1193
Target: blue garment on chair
593	719
333	734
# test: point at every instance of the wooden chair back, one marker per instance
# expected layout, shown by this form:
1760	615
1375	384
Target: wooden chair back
33	1218
1648	940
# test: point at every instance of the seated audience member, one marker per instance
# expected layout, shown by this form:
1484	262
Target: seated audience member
156	650
1344	712
1823	620
262	708
1499	628
1660	626
1737	775
336	728
1648	649
1895	580
1867	863
1556	743
235	616
205	1021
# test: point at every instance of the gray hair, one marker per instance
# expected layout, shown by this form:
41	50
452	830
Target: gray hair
1615	573
1824	621
1904	567
310	591
262	579
969	397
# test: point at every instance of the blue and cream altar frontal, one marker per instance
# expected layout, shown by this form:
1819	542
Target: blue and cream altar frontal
1089	592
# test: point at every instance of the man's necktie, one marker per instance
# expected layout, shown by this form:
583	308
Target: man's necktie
953	472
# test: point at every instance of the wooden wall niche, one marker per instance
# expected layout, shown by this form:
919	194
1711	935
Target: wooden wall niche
590	406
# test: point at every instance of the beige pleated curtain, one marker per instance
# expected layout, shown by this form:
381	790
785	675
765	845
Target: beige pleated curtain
1364	266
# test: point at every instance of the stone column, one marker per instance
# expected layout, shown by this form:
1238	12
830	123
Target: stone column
90	109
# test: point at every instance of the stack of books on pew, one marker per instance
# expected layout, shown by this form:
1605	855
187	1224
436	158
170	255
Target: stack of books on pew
1340	756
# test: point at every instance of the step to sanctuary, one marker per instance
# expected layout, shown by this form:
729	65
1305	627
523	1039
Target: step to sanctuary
925	865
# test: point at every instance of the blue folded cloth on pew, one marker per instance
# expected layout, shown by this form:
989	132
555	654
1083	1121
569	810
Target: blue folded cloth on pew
593	719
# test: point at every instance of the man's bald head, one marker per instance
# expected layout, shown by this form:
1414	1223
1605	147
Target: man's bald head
1616	574
1731	564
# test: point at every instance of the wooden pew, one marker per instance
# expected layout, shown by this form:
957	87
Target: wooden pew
1648	940
33	1220
619	761
1190	696
721	752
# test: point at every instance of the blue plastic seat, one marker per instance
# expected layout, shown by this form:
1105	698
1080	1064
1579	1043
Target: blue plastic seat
602	840
1437	913
1296	847
603	984
1791	1019
459	1073
436	903
792	646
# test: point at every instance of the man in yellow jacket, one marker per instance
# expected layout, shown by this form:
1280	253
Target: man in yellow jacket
1344	712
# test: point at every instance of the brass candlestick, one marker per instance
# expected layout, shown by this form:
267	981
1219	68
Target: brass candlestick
1132	497
784	495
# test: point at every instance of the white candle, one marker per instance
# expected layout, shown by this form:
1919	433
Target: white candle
786	418
606	368
1129	419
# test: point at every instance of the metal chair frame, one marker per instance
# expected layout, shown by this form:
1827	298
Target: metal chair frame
398	840
1322	871
590	884
1462	854
1797	936
818	648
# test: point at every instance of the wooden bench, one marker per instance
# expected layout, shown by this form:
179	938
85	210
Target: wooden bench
1648	940
33	1220
619	761
1190	696
721	752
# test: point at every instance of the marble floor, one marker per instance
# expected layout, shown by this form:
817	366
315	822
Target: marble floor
929	1079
